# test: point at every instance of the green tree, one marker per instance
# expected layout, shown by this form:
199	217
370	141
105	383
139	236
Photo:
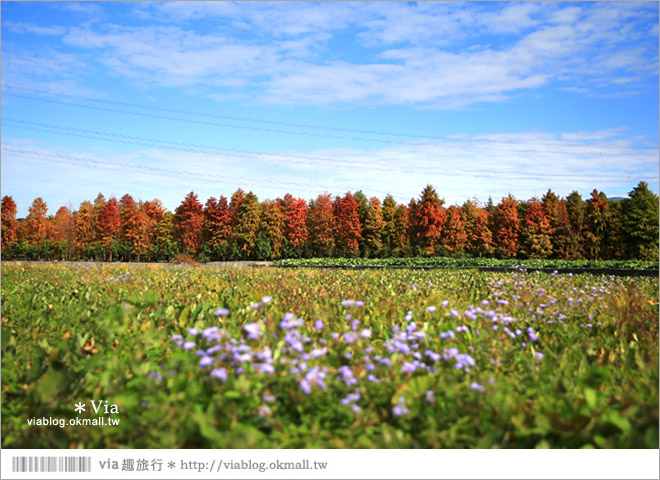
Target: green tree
640	223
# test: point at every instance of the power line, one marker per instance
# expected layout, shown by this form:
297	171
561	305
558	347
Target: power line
310	126
337	137
453	172
75	160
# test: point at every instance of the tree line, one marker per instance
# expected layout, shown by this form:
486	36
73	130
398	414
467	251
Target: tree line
243	228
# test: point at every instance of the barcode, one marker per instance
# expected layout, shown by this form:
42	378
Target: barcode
51	464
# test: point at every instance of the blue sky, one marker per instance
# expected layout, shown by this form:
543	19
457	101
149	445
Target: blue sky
480	99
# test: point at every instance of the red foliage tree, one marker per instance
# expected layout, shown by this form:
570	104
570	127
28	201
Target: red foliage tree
189	221
296	227
347	225
507	227
217	225
8	221
320	225
427	219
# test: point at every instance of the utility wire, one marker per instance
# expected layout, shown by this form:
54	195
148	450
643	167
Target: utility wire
319	135
307	125
75	160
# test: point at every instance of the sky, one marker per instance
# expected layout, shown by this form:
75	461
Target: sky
479	99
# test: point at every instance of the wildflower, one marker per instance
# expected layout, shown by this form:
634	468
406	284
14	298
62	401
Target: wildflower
267	299
453	313
366	333
356	408
476	386
372	378
205	361
444	303
188	345
400	410
538	355
252	330
348	303
256	306
263	411
220	374
431	309
430	397
350	337
193	331
221	312
268	398
354	325
318	325
305	386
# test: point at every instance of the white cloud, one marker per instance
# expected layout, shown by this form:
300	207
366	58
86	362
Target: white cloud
20	27
523	163
433	55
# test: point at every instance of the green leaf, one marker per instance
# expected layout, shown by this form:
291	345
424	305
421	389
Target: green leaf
591	396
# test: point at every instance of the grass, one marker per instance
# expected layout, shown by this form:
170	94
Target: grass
585	375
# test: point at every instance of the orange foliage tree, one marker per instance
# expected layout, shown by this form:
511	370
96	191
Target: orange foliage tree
109	224
507	227
36	223
427	219
8	221
320	225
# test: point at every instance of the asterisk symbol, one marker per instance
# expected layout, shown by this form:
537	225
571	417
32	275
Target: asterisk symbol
80	407
171	464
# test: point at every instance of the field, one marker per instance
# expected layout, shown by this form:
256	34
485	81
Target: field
310	358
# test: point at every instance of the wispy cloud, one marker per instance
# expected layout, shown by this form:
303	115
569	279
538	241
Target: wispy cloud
433	55
524	163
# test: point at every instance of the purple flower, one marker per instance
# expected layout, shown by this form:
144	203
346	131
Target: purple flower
268	398
220	374
205	361
538	355
354	325
430	397
348	303
350	337
221	312
400	410
366	333
318	325
477	387
267	299
444	303
372	378
306	387
256	306
188	345
193	331
252	330
431	309
356	408
453	313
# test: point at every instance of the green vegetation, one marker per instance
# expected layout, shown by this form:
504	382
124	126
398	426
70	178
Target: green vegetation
530	264
419	364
